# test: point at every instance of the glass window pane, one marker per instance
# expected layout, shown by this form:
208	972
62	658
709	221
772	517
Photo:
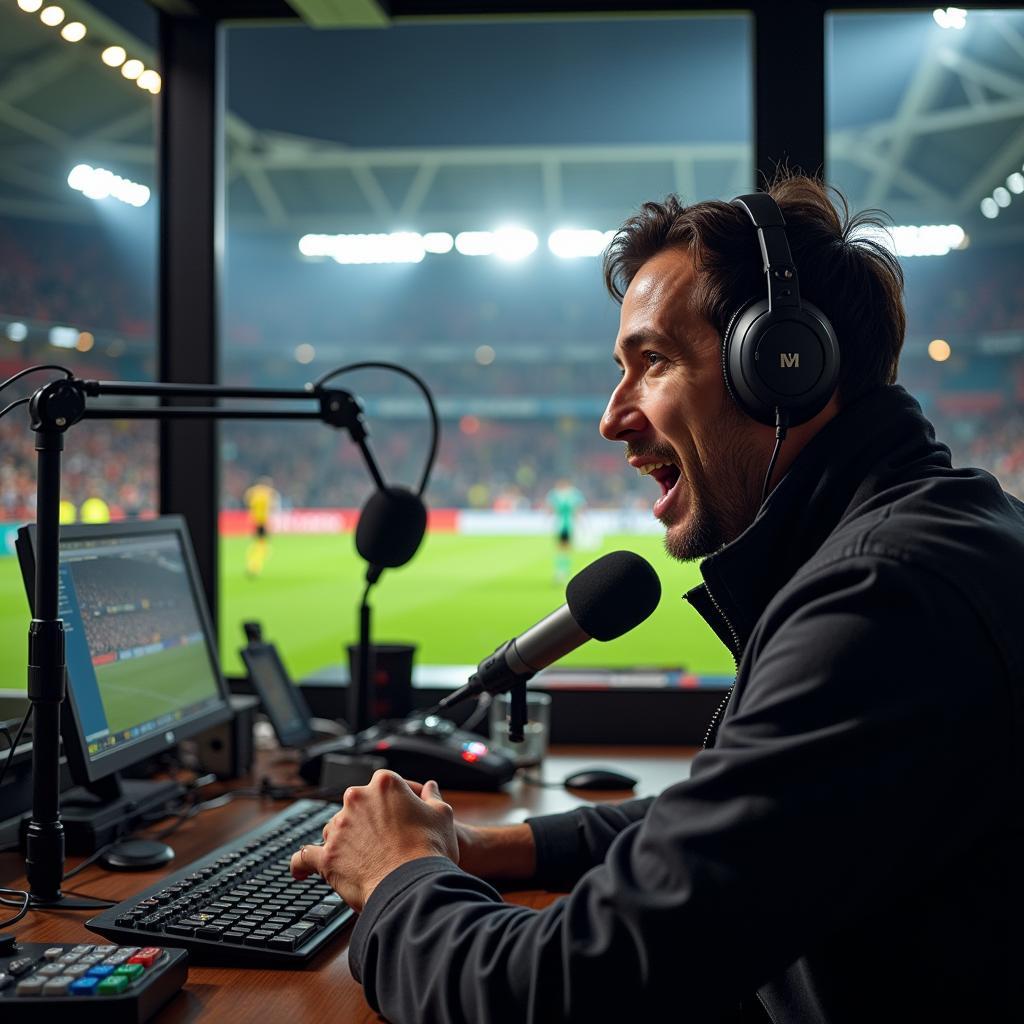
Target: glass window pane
78	250
926	121
505	151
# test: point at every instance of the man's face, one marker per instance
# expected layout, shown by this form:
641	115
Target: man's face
671	407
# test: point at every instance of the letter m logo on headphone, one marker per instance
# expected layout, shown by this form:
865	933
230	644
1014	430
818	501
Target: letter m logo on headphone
787	359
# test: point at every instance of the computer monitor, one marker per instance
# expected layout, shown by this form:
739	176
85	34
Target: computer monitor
142	668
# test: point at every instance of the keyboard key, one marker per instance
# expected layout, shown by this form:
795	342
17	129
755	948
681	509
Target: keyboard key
5	980
84	986
100	971
30	986
284	942
113	985
20	965
58	986
131	971
210	931
81	950
49	971
53	953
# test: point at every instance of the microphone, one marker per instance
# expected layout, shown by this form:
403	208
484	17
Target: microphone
606	599
390	529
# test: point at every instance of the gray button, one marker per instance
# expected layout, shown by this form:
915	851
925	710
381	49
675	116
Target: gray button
49	971
30	986
76	970
79	950
57	986
53	953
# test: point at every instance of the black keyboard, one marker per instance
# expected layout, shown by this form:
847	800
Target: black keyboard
240	904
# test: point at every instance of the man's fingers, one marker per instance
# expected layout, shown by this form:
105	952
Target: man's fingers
430	790
306	861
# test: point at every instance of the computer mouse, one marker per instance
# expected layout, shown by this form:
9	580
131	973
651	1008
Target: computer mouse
599	778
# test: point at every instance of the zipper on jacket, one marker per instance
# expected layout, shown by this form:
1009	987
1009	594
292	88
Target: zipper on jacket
720	710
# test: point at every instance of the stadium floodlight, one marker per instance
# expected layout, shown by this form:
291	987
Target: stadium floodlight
63	337
131	69
1015	183
30	6
1001	196
99	183
917	240
114	56
396	247
573	243
513	244
73	32
989	207
17	331
438	242
950	17
510	244
52	16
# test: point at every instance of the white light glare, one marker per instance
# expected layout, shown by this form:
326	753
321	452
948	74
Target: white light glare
918	240
1001	196
397	247
570	243
149	80
438	242
73	32
64	337
16	330
132	68
30	6
99	183
52	16
114	56
950	17
510	244
1015	183
989	207
305	353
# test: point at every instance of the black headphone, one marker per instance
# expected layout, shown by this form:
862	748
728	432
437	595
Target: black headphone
780	357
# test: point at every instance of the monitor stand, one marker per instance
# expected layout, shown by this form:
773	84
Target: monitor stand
104	811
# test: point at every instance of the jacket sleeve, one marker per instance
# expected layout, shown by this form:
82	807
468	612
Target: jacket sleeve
570	844
829	791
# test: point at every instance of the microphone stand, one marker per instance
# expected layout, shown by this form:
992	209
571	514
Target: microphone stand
54	408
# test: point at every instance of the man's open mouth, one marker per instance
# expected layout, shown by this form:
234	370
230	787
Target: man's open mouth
665	473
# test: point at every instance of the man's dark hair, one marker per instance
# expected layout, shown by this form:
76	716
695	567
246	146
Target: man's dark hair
854	280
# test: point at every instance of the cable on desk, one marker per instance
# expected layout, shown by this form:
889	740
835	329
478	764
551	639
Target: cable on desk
24	908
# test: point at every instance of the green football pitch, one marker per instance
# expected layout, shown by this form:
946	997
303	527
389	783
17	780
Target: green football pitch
457	600
137	691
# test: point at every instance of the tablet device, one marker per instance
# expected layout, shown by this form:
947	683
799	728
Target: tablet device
282	701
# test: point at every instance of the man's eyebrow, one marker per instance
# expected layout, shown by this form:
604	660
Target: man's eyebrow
636	340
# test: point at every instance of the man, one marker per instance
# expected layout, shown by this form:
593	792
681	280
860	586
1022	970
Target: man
261	499
565	501
848	846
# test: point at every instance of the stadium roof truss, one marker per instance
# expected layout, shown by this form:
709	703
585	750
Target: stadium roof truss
955	132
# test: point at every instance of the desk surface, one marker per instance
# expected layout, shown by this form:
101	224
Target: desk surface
325	990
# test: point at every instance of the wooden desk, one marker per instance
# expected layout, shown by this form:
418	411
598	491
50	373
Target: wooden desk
325	990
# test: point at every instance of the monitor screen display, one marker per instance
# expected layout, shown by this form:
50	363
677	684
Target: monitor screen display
138	659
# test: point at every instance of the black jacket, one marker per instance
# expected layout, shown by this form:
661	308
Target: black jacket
851	846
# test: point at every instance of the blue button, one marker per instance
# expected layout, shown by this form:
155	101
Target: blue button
84	986
100	971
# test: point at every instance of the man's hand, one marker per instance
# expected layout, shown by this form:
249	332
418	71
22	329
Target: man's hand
381	826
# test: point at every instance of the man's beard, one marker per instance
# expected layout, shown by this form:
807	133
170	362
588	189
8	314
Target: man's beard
722	505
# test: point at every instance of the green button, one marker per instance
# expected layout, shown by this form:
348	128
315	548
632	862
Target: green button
130	971
113	984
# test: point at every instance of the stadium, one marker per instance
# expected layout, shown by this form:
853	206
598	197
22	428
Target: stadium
430	237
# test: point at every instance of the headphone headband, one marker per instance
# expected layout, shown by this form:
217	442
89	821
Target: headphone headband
779	268
780	357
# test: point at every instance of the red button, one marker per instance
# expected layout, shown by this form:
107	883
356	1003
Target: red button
147	957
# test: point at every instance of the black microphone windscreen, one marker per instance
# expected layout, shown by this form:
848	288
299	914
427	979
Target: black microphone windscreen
391	527
613	594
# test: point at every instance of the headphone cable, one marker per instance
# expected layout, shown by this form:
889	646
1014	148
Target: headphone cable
781	428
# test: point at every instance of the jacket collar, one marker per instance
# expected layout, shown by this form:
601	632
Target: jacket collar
741	578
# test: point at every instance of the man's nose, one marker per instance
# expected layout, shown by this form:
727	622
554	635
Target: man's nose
622	417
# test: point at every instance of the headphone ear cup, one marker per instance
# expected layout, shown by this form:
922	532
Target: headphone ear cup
727	342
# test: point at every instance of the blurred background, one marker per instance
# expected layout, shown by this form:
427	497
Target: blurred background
438	194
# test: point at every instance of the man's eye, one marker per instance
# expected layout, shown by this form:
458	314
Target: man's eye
652	358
